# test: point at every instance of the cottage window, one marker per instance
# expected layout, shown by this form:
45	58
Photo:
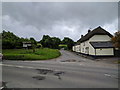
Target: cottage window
83	50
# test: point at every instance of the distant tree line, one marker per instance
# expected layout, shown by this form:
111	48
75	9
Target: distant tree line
11	41
54	42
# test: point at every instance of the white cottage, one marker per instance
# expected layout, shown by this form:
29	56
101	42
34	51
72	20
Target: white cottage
95	43
27	44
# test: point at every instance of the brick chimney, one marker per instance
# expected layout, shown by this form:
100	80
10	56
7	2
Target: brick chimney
81	36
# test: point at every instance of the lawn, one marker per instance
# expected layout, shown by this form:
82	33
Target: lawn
27	54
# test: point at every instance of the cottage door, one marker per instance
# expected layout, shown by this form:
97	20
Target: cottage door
87	50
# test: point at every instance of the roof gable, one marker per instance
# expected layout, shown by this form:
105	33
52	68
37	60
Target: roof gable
96	31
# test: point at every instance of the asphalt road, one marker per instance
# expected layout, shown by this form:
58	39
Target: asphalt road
67	71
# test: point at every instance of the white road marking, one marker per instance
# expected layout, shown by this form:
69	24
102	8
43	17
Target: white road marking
112	76
28	67
107	75
17	66
25	67
81	64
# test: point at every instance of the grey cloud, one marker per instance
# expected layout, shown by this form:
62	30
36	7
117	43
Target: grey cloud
45	16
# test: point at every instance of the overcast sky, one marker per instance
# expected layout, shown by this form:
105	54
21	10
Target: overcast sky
70	19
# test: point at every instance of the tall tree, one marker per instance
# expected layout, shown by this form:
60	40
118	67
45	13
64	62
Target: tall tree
116	39
9	40
50	42
55	42
46	41
33	40
34	43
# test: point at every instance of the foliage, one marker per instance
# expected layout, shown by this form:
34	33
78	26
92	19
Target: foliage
33	41
69	42
116	39
55	42
50	42
11	41
46	41
39	45
27	54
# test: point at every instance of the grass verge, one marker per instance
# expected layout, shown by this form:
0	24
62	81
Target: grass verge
25	54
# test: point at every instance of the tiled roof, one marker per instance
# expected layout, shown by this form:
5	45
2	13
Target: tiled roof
103	44
96	31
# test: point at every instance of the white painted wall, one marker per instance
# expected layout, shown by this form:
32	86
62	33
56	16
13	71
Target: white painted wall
76	48
86	44
100	38
29	44
73	48
26	45
106	51
91	50
83	45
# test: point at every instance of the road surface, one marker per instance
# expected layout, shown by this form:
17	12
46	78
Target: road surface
67	71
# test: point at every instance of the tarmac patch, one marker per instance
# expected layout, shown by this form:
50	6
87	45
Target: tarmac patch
39	77
58	74
71	60
44	71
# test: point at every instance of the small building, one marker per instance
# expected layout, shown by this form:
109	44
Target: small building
95	43
27	44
